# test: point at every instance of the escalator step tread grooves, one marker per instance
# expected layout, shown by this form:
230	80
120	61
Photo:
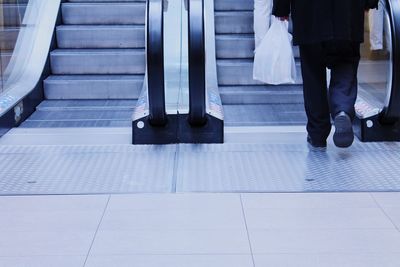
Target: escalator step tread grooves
98	67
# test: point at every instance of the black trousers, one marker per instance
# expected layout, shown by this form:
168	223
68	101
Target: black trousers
342	58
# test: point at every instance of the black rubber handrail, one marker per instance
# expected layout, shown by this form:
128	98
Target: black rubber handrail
391	110
155	62
197	63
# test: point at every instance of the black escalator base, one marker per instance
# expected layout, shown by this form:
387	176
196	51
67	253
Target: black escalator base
177	130
372	130
212	132
144	133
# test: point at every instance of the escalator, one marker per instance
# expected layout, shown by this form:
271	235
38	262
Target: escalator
89	65
97	68
84	79
107	60
247	102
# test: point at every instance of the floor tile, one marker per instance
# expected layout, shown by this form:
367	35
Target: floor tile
174	201
43	261
194	219
325	241
346	218
328	260
170	261
387	199
394	214
171	242
308	201
53	203
44	243
56	221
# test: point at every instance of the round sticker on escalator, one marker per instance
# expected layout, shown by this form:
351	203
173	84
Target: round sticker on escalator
140	124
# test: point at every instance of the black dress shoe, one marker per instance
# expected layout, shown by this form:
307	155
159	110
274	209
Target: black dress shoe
344	135
316	144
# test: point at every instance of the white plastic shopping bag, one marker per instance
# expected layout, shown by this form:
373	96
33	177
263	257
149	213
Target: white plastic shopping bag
274	60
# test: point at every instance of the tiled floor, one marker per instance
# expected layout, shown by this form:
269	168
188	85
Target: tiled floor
184	230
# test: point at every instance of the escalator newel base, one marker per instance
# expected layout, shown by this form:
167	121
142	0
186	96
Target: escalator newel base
144	133
210	133
177	130
372	130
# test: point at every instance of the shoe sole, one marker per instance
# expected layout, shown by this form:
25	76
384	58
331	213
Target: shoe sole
344	135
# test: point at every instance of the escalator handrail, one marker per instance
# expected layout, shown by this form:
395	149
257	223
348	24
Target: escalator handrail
391	110
155	62
197	63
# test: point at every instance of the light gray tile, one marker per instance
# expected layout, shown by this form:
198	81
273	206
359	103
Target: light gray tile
346	218
308	200
56	221
53	203
43	261
168	219
325	241
170	261
328	260
387	199
174	201
394	214
171	242
15	244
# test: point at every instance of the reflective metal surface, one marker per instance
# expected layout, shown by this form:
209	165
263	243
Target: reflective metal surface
375	71
253	160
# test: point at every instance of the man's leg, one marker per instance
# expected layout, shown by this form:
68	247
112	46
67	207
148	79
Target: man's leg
343	60
262	19
315	92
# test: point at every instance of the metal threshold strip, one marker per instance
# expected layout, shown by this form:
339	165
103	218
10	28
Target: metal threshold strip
275	164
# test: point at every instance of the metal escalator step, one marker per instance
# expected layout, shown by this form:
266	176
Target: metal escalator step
12	14
234	22
106	1
229	46
81	115
264	115
100	36
240	72
97	61
8	37
5	58
233	5
77	124
235	46
263	94
89	105
103	13
93	86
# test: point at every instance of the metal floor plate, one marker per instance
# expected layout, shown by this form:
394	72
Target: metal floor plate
85	169
276	163
289	168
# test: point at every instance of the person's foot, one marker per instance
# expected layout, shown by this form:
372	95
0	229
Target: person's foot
344	135
316	145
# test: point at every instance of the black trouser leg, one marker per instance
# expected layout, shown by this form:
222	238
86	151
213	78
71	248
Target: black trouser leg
343	59
316	103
